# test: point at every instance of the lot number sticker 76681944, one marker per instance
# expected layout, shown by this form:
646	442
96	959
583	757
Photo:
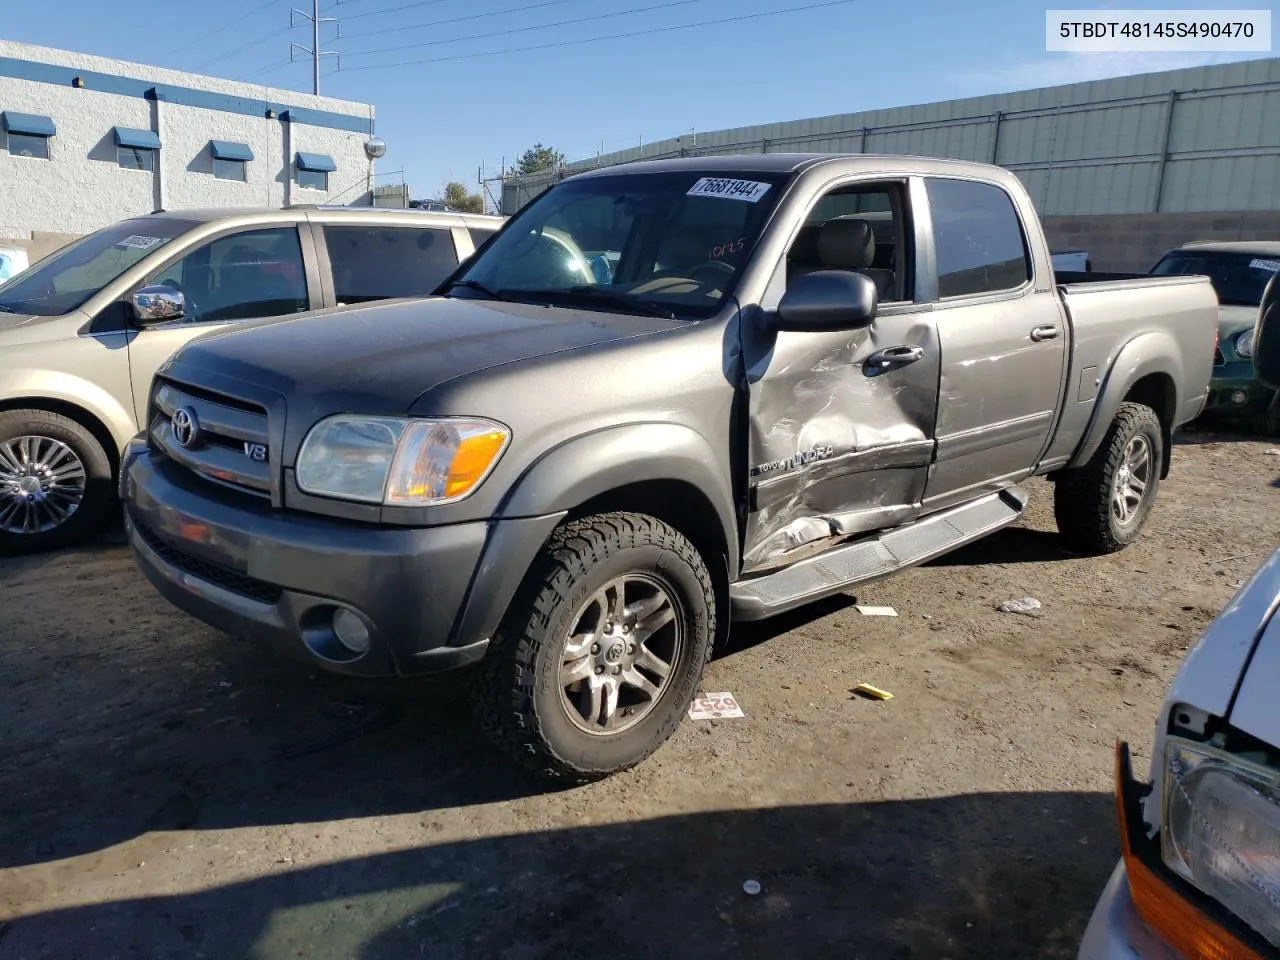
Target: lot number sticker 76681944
748	190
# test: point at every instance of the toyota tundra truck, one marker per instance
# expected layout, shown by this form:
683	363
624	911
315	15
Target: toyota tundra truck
799	373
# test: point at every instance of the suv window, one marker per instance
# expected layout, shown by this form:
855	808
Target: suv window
377	263
978	239
480	234
258	273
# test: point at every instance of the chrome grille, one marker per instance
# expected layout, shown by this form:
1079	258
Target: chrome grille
212	435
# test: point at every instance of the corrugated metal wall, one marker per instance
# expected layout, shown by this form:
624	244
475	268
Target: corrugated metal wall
1203	139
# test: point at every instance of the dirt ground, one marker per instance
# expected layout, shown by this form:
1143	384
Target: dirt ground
167	792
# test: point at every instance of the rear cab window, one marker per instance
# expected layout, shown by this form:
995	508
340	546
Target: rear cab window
383	262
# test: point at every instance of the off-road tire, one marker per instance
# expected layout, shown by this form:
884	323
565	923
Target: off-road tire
516	688
1082	500
99	493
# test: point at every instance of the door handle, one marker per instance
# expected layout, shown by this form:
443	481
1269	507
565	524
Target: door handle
1046	331
895	356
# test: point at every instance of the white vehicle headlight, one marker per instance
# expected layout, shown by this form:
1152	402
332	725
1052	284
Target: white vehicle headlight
399	461
1221	830
1244	344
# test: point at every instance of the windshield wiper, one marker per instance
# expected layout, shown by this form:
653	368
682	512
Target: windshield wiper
614	298
479	287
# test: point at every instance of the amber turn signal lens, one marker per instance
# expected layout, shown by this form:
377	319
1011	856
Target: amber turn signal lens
1177	921
475	455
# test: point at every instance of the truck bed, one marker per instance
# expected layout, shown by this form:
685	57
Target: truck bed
1111	312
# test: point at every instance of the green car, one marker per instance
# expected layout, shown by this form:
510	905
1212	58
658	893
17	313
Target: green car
1240	271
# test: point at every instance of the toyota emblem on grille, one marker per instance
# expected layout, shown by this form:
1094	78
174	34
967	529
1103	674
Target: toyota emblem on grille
185	427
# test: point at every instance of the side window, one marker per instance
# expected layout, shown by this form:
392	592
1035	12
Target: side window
978	239
378	263
480	234
258	273
860	227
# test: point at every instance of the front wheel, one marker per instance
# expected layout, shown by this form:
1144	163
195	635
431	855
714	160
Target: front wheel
55	482
602	650
1102	506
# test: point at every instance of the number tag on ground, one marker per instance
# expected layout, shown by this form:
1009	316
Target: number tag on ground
715	706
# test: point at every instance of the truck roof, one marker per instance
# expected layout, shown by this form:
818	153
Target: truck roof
1269	248
795	162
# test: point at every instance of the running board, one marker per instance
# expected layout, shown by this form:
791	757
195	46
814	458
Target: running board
876	558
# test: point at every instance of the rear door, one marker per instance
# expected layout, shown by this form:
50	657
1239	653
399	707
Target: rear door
840	444
248	274
1003	338
368	262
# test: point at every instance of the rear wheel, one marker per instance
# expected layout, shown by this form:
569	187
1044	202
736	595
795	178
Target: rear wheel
1102	506
601	653
55	482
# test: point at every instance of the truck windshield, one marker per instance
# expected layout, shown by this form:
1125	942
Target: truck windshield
66	279
666	243
1238	278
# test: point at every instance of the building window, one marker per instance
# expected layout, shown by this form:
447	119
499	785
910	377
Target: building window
26	145
27	134
313	170
230	160
136	149
133	158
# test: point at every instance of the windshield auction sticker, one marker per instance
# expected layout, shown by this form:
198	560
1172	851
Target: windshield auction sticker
748	190
1272	265
138	243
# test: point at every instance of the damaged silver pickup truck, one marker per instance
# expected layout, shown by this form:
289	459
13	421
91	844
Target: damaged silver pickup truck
665	396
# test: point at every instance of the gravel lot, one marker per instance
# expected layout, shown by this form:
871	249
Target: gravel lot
167	792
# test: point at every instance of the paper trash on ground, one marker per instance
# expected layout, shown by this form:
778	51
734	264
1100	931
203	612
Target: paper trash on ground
876	611
715	706
1026	605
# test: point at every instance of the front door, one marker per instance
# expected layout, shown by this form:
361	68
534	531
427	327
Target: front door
235	277
841	424
1003	344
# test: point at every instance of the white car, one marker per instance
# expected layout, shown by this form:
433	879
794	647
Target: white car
13	260
1200	872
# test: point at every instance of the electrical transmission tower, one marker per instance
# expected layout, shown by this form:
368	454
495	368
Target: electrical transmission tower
314	51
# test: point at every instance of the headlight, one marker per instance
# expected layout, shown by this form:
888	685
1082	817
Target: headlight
1244	344
399	461
1221	830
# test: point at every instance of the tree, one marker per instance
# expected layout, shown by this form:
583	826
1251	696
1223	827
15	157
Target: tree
455	195
538	158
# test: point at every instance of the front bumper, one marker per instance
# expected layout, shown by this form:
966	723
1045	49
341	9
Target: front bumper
1235	391
1115	930
426	595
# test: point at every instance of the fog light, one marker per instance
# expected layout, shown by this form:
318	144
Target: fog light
1238	396
351	631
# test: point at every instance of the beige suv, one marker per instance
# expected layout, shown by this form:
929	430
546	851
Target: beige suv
83	331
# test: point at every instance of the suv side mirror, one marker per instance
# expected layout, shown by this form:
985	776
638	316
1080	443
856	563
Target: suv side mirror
827	300
158	304
1266	336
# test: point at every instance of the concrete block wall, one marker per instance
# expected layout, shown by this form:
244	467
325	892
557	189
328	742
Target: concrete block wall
1134	242
81	187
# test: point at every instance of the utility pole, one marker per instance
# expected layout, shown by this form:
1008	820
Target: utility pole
314	52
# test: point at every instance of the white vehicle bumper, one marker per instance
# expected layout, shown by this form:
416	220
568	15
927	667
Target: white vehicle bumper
1115	930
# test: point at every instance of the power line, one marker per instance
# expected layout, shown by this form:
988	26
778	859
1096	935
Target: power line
226	26
611	36
248	46
470	16
406	6
538	26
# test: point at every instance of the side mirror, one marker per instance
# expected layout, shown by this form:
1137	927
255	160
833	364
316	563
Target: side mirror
1266	336
158	304
828	300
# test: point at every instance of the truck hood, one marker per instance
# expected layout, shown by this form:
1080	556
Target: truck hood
1238	658
380	358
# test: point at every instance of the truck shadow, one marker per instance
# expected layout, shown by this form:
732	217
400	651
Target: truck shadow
1010	545
135	729
1011	875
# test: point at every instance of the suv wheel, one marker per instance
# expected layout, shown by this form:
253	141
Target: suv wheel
55	482
1102	506
602	651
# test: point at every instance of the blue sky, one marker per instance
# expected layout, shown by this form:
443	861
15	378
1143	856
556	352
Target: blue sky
442	118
